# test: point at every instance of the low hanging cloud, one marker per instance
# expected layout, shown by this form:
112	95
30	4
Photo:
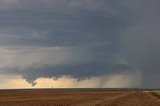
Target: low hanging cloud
125	80
35	62
39	60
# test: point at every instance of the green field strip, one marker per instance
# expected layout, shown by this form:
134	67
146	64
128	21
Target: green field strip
155	94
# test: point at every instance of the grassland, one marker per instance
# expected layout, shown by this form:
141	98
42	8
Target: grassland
155	94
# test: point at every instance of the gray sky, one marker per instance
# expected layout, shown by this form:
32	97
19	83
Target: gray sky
81	39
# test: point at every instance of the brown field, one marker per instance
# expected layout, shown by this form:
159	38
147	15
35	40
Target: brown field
50	97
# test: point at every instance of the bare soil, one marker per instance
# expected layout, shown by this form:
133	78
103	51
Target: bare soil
75	98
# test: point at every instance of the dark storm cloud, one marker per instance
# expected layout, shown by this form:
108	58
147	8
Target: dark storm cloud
61	23
143	44
51	38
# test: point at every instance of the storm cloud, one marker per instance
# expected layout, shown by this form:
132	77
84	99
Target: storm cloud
81	39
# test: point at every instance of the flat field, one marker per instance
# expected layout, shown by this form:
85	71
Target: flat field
76	97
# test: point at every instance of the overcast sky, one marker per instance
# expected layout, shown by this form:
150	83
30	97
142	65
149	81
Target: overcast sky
87	43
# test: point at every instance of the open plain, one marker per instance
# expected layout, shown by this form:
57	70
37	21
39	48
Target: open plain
76	97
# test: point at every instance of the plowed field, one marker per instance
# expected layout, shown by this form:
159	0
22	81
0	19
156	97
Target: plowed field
75	98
